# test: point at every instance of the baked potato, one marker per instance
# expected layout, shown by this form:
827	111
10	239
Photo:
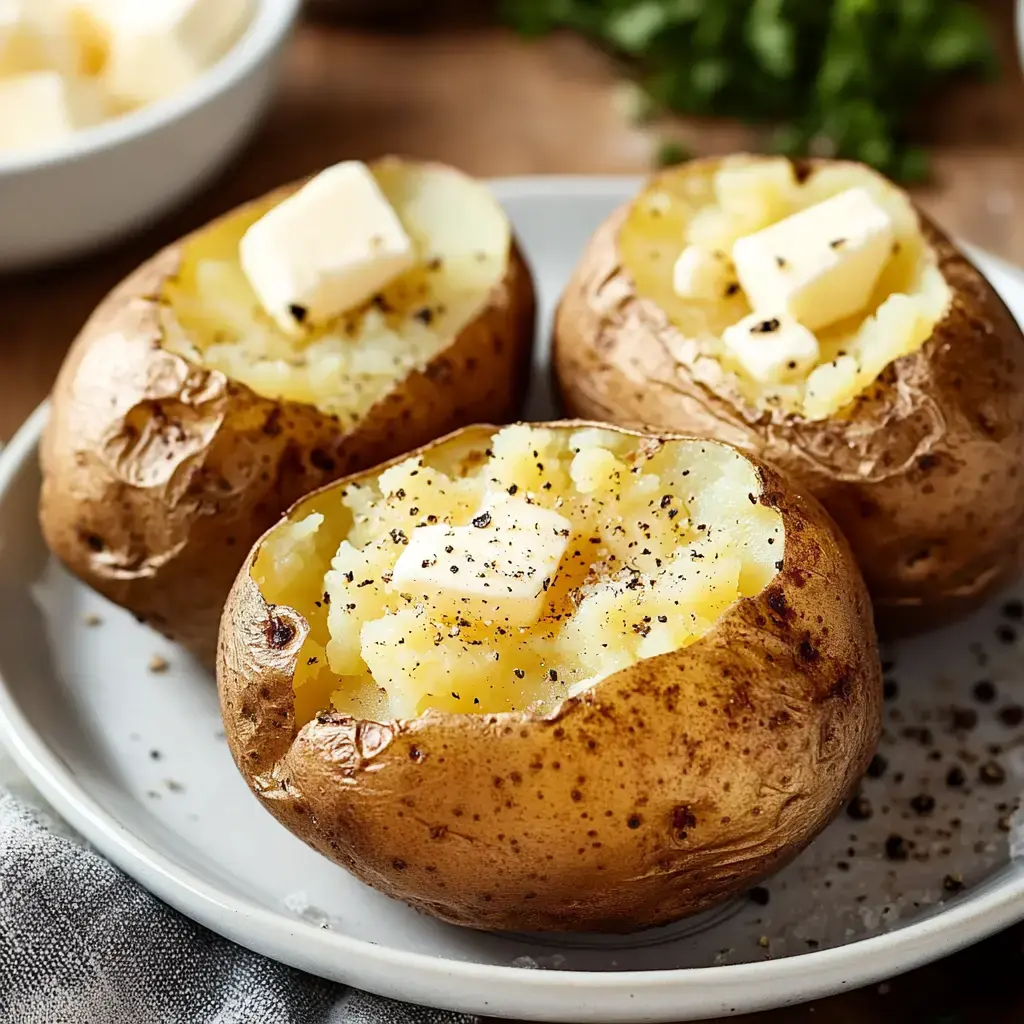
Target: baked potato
184	422
909	427
687	702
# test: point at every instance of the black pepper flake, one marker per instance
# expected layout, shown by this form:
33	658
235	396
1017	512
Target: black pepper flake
964	719
518	673
759	895
878	766
984	692
414	511
732	288
955	777
837	242
859	808
897	848
923	803
992	773
453	568
953	883
399	537
1014	610
513	488
890	689
1006	634
766	326
919	733
1011	715
553	675
666	500
299	313
780	262
424	315
483	520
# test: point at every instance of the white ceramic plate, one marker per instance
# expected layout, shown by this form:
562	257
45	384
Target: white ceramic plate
136	760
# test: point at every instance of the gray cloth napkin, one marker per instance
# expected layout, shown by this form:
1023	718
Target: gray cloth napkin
81	943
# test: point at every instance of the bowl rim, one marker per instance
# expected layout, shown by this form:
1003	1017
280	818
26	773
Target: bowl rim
269	24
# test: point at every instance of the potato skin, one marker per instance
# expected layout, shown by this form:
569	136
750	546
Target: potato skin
158	473
926	479
669	787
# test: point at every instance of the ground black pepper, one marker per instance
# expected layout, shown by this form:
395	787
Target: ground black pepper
859	808
992	773
984	691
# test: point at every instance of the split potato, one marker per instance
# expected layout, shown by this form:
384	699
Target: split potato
910	428
185	422
688	703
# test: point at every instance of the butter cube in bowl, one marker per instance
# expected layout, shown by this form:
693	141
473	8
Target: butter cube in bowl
114	111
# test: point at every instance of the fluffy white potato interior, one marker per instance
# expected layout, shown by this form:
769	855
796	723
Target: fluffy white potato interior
746	195
461	238
665	537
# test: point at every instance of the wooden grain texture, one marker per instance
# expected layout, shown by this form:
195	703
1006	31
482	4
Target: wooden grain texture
493	104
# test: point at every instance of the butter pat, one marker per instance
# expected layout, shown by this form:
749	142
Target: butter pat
700	274
44	107
497	569
326	249
157	47
821	264
772	349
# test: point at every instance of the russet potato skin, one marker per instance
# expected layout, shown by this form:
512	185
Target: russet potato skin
668	787
926	478
158	473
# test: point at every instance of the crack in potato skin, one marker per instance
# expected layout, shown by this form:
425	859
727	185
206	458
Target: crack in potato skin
924	474
159	473
668	787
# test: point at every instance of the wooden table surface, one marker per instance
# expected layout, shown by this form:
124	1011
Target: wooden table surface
495	105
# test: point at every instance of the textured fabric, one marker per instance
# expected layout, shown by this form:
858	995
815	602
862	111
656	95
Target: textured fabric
81	943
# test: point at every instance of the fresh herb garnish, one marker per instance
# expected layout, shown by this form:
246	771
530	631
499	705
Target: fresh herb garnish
826	77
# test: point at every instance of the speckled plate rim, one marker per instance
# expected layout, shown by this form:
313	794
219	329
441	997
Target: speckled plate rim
672	995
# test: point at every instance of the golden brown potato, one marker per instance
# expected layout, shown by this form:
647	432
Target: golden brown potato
693	704
910	431
184	423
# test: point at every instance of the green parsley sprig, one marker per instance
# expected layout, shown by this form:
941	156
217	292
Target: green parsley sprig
829	77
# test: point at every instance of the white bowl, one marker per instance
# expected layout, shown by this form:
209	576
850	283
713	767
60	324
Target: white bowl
111	180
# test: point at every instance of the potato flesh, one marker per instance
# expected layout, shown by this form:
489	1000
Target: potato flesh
461	238
665	539
745	195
